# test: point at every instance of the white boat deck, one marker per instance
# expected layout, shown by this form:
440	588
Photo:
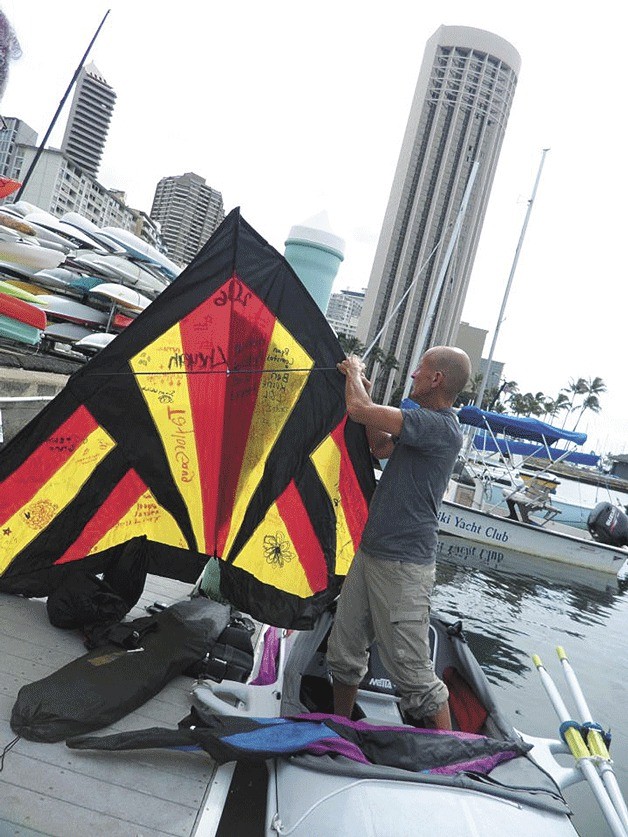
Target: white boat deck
51	790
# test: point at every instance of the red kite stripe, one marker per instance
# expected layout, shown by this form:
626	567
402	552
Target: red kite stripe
126	493
21	485
304	538
353	501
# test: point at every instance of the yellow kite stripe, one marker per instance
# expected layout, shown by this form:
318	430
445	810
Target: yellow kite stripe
146	517
36	515
168	400
271	557
327	460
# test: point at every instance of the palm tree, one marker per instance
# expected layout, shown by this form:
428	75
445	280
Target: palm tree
351	345
594	388
574	388
557	405
527	404
506	389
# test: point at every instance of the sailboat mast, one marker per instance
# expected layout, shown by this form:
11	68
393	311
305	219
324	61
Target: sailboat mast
420	344
480	395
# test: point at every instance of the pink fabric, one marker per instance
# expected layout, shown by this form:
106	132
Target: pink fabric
267	673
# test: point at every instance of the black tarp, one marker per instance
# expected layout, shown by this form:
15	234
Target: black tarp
110	681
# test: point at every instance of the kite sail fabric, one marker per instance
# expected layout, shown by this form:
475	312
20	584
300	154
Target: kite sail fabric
8	186
229	738
214	425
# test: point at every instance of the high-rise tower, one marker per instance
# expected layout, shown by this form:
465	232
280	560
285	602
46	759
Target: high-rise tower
88	122
188	211
458	116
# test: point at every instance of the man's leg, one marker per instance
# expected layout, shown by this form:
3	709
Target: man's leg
344	698
441	719
400	602
351	637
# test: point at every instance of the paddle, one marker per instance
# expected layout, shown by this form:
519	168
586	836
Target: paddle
595	740
579	750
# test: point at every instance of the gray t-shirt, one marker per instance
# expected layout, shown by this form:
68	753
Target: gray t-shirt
403	514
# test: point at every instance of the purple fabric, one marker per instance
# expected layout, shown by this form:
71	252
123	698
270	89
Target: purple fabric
484	765
364	725
267	673
339	746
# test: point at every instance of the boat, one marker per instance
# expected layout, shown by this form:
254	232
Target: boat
27	257
66	309
20	320
67	333
47	224
11	289
28	287
141	250
91	344
120	269
297	769
93	232
530	525
120	295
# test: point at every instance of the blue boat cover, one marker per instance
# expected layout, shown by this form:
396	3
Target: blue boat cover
483	442
520	427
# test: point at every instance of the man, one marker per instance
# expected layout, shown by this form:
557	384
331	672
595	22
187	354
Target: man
386	595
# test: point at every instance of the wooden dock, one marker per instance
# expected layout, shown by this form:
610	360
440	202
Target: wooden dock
48	789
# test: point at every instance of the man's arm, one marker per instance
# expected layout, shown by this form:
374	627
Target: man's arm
381	423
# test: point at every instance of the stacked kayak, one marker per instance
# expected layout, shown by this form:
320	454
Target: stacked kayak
20	320
66	285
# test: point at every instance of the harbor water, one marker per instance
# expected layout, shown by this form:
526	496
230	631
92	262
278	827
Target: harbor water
513	606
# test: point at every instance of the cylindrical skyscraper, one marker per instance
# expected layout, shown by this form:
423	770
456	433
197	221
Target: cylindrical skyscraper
458	116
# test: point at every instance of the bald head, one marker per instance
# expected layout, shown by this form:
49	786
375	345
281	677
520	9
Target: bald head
455	366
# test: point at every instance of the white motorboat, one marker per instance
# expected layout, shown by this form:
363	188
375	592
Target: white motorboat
529	523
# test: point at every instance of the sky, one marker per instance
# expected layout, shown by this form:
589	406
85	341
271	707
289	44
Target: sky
290	109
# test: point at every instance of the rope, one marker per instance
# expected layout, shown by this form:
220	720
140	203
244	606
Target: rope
9	746
219	371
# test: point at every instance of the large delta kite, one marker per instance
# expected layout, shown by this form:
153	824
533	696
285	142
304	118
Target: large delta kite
214	425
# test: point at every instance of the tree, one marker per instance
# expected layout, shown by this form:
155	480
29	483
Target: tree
506	390
574	388
351	345
527	404
594	388
589	390
553	406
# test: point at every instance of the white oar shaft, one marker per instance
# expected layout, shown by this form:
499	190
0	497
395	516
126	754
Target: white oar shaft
581	753
597	743
574	686
614	791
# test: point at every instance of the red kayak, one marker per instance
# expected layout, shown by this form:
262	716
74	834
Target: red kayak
23	312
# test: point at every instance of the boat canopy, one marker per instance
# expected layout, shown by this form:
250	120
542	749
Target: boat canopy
520	427
483	442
